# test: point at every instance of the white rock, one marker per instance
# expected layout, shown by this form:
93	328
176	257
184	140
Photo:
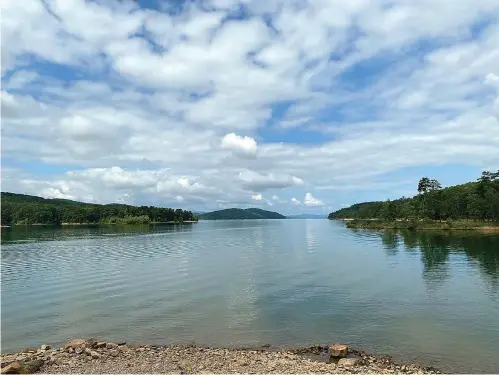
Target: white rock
347	362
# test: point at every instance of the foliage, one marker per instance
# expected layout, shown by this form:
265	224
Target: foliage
27	209
472	201
238	213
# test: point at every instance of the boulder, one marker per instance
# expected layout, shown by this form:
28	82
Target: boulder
76	343
101	344
348	362
45	347
13	368
338	350
30	367
111	345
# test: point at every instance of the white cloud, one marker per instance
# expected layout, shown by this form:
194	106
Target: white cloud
238	144
256	181
157	101
275	198
257	197
295	201
310	201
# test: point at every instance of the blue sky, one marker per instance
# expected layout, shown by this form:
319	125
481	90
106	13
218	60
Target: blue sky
294	106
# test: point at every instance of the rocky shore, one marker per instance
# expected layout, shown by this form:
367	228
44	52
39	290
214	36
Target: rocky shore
91	356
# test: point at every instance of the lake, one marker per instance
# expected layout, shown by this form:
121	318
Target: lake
428	297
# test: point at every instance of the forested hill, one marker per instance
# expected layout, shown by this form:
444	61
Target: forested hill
28	209
238	213
474	200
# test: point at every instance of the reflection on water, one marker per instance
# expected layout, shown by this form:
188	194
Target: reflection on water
426	296
34	233
481	249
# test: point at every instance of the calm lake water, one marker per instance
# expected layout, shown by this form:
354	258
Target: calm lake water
426	297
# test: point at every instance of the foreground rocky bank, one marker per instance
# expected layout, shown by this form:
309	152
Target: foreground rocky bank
91	356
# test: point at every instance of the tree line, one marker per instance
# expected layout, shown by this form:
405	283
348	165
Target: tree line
472	201
27	209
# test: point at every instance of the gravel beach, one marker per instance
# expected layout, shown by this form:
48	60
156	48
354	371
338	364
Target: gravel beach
91	356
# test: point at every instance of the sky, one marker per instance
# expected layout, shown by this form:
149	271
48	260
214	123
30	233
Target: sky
295	106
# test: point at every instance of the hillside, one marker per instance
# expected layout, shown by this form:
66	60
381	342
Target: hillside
239	214
473	200
306	216
28	209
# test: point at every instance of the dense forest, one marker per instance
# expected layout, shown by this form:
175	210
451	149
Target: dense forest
472	201
238	213
28	209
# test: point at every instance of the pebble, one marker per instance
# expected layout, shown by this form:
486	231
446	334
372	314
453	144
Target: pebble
102	358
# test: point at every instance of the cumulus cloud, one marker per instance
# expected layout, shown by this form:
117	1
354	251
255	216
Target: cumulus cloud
238	144
256	181
310	201
159	102
257	197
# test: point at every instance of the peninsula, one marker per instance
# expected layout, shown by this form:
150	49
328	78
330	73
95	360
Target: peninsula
241	214
474	205
21	209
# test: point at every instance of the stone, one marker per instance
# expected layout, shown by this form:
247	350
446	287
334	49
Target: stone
13	368
348	362
88	351
45	347
111	345
76	343
29	350
71	350
338	350
30	367
101	344
114	353
91	343
79	350
94	354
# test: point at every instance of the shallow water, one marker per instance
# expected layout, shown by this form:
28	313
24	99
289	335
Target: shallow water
429	297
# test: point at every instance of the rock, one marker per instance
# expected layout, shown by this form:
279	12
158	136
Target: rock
79	350
338	350
94	354
114	352
45	347
101	344
76	343
111	345
88	351
71	350
29	350
348	362
30	367
91	343
13	368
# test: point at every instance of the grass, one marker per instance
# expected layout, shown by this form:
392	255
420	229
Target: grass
423	224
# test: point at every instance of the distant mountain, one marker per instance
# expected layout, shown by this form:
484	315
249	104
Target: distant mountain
238	214
307	216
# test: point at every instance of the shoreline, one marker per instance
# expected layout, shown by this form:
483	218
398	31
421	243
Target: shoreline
421	225
91	356
96	224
